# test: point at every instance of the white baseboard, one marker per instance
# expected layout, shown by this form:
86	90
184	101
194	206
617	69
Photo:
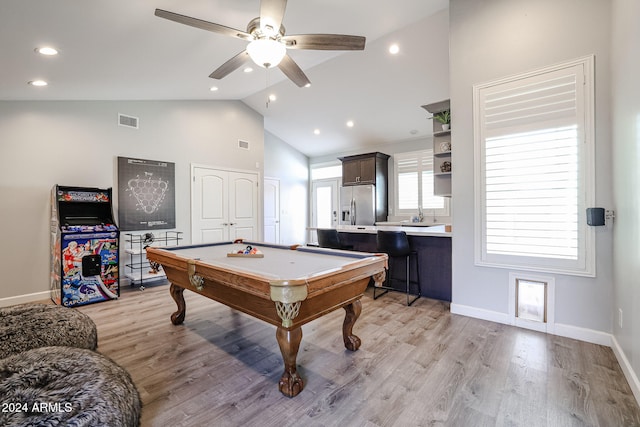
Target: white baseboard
582	334
22	299
480	313
568	331
629	373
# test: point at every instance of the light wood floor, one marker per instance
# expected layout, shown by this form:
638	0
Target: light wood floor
417	366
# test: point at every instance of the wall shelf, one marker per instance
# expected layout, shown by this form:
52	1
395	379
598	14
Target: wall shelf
441	153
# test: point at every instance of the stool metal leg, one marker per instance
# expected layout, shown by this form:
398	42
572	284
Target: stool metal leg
384	286
408	278
388	288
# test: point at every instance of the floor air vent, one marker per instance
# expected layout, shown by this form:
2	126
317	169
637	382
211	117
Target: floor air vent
243	144
127	121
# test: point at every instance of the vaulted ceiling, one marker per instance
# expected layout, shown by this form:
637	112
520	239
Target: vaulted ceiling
119	50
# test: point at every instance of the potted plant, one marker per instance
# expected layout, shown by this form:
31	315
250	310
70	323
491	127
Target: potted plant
443	117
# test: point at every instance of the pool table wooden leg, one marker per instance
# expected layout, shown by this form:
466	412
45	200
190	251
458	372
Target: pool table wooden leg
289	341
353	310
177	293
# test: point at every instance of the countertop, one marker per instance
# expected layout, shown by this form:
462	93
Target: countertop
420	229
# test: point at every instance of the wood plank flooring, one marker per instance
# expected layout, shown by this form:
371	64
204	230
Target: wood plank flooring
417	366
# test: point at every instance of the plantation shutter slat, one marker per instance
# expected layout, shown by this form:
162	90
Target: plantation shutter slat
407	172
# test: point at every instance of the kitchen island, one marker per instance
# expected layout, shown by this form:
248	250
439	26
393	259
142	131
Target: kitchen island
431	242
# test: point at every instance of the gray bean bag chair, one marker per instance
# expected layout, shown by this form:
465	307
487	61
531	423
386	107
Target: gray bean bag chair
66	386
27	326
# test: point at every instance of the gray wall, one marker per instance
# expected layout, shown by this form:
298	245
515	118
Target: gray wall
626	177
490	39
291	167
76	143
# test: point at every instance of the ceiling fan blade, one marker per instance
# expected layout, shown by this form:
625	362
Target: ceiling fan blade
325	42
293	71
204	25
271	14
231	65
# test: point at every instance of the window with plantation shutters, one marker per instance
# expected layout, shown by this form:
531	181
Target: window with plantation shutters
414	184
534	171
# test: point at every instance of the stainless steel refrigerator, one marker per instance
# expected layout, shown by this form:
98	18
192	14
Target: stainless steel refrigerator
358	205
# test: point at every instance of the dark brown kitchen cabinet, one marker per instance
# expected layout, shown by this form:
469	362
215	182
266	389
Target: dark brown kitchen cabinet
364	169
359	171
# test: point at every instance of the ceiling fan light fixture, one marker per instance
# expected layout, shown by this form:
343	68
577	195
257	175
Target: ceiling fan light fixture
266	53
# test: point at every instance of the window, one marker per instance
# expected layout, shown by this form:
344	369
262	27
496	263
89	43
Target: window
534	170
325	172
414	184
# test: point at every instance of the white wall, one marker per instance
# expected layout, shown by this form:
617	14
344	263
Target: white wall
77	142
626	178
490	39
291	167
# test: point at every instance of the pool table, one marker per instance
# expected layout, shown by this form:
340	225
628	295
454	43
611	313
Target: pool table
288	286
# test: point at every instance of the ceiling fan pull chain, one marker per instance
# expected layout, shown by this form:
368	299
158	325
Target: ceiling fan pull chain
267	86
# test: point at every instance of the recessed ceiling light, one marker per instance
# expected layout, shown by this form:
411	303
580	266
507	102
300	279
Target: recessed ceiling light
49	51
272	97
394	49
38	83
213	88
350	123
248	69
316	131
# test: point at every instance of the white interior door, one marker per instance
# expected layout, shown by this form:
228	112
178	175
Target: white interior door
209	206
224	205
271	211
243	206
324	205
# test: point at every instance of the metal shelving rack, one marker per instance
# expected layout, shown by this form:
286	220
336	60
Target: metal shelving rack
136	245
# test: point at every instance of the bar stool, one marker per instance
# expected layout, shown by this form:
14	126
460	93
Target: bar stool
329	238
396	245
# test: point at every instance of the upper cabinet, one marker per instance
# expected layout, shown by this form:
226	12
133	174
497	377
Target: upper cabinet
371	168
442	166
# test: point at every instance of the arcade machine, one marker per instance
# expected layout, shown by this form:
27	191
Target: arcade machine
84	246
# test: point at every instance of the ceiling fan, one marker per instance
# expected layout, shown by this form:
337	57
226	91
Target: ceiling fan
268	43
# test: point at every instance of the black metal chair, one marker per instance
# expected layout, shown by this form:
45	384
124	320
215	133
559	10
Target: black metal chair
329	238
396	245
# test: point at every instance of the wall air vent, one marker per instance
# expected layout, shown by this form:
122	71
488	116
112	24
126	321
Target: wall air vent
128	121
243	144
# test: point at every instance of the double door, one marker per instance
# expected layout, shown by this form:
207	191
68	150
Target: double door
224	205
